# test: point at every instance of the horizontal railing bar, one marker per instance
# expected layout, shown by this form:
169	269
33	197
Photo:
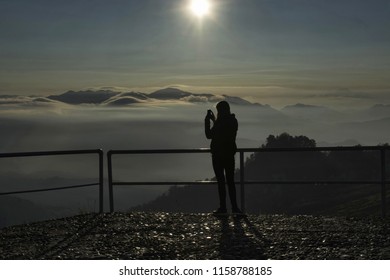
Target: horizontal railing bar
318	149
163	183
207	150
50	189
164	151
249	183
50	153
315	182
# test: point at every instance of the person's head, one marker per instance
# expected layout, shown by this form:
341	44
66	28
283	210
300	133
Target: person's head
223	109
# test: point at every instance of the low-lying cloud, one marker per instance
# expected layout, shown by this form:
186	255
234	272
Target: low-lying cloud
42	123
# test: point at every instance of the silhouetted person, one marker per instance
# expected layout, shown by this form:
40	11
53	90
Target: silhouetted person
223	148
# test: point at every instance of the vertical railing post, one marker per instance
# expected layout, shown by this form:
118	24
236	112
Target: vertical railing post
383	175
242	181
101	182
110	188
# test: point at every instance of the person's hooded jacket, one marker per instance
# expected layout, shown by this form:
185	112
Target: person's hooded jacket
223	135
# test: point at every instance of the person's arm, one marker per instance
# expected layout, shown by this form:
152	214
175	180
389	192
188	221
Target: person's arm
235	129
207	128
209	131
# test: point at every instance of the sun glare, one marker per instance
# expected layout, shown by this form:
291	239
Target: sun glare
200	8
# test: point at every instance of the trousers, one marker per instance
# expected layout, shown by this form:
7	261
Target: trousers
225	165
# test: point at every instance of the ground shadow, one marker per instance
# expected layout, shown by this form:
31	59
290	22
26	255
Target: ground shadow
240	239
54	251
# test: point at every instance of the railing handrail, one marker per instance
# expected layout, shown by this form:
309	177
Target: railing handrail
241	152
59	153
50	189
382	149
50	153
207	150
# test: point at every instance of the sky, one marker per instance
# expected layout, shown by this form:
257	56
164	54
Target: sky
276	52
262	49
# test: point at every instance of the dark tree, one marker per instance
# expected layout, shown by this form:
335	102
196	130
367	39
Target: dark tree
285	140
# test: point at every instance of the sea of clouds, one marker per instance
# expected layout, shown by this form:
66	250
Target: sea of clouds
41	124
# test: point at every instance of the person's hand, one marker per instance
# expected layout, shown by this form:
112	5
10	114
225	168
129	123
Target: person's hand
210	115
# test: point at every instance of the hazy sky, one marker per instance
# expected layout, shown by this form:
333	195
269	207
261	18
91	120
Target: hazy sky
250	47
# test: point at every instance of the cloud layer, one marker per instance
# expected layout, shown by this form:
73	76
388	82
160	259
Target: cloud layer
134	120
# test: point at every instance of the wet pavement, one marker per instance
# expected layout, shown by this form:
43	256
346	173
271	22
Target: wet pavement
198	236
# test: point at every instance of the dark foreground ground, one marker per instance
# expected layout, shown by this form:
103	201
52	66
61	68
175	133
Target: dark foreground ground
197	236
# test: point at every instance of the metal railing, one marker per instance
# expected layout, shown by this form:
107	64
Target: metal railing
61	153
242	182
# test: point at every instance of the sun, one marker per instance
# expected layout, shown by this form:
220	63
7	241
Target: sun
200	8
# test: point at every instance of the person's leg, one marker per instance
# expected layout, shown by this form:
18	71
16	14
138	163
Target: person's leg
218	170
229	164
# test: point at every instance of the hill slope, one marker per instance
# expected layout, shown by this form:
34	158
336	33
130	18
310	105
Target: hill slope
15	210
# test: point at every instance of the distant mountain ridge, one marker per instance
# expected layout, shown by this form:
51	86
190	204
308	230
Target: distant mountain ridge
84	97
113	98
14	210
378	111
311	111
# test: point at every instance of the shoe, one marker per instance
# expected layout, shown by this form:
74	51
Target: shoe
236	211
220	211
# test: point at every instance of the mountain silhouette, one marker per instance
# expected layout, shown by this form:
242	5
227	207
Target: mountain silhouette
84	97
378	111
122	101
112	98
169	93
310	114
305	111
14	210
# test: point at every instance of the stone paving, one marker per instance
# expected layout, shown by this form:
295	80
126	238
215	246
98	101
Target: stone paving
142	235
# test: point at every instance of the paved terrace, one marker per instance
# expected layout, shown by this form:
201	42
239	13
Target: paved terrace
197	236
